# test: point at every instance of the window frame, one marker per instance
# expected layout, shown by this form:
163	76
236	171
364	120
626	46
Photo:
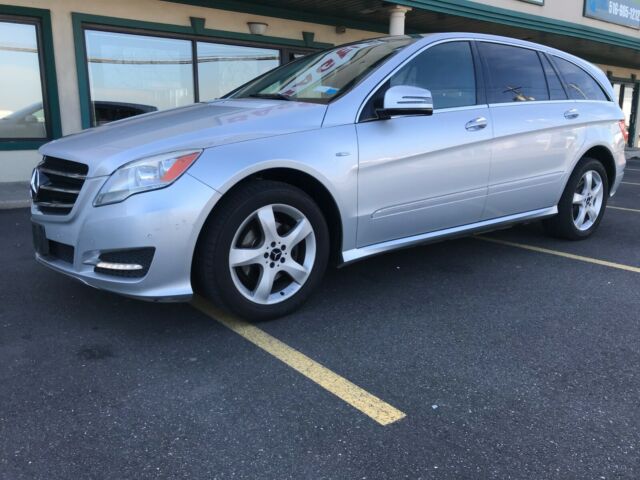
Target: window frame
481	98
82	23
41	20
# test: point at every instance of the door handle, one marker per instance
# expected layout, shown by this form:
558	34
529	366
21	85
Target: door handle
571	114
476	124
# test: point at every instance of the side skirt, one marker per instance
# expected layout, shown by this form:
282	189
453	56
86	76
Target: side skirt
356	254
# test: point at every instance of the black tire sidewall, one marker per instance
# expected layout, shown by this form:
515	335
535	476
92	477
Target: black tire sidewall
236	211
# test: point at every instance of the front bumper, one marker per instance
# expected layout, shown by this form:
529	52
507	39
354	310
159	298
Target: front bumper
169	220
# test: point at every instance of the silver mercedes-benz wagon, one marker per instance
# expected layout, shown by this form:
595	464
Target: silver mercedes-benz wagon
342	154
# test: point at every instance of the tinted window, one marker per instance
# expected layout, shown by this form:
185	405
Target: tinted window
580	84
21	105
514	74
556	91
445	69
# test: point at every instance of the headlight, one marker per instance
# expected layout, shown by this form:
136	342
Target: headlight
143	175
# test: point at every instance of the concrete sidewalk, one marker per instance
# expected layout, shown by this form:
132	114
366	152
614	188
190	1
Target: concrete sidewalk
14	195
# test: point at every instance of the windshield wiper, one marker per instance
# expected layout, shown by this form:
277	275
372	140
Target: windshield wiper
273	96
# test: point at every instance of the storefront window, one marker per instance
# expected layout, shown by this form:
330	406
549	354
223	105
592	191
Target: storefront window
21	91
133	74
222	68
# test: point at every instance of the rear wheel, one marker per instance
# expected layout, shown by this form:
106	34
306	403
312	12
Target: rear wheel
264	251
583	202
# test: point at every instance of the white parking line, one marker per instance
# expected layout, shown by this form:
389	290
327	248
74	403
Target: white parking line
624	208
631	183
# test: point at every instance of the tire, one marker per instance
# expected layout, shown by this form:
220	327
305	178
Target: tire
243	263
582	205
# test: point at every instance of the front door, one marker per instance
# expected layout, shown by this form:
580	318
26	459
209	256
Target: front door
419	174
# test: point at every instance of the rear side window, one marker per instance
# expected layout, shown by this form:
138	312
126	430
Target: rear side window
556	91
580	84
514	74
446	70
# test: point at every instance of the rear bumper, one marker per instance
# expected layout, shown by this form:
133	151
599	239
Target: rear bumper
621	163
169	220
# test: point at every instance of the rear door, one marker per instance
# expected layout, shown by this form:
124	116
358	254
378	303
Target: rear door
419	174
533	127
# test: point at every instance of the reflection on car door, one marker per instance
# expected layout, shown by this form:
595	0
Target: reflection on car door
534	134
419	174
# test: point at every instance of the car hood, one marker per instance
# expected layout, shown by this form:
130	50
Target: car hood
201	125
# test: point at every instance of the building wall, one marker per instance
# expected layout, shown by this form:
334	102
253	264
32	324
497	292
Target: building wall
17	165
565	10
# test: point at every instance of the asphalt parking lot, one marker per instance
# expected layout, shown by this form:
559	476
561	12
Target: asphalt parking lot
505	362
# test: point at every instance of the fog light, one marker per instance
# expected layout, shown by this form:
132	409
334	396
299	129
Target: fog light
119	266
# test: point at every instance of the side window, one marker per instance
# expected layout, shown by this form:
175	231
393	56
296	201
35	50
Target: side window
581	85
514	74
556	91
447	70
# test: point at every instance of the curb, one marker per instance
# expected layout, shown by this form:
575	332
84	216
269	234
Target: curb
14	204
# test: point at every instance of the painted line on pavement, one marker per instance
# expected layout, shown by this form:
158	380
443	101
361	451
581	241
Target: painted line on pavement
604	263
630	183
624	208
360	399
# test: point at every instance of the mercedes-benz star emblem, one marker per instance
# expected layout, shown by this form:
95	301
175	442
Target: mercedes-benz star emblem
35	183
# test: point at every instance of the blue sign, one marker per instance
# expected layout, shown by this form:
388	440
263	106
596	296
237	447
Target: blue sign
621	12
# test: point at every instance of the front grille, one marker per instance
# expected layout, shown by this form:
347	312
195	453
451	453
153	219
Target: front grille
56	184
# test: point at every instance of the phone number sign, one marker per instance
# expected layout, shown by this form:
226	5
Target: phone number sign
621	12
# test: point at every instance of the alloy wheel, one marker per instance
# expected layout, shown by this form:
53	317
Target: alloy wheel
587	200
272	254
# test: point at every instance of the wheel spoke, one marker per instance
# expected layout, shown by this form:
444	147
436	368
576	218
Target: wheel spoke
581	215
298	272
245	256
301	231
592	212
578	198
268	223
265	285
596	190
588	181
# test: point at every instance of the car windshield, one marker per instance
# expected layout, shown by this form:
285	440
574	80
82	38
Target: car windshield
323	76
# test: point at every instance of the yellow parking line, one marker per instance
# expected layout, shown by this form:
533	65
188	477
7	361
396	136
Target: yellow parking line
625	209
604	263
630	183
360	399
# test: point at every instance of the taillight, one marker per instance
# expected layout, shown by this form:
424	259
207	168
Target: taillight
623	129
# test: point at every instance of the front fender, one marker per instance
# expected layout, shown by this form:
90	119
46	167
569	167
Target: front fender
330	155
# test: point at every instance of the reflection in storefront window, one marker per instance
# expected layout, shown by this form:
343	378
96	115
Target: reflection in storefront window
21	107
134	74
221	68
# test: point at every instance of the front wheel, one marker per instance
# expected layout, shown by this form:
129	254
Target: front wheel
264	250
583	202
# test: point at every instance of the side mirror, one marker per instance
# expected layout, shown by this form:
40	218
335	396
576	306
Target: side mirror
406	100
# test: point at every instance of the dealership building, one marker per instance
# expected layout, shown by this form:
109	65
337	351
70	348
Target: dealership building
68	65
